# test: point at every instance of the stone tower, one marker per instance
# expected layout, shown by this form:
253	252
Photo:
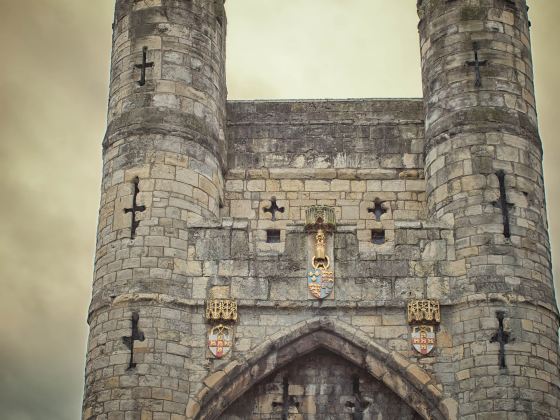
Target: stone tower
484	177
352	259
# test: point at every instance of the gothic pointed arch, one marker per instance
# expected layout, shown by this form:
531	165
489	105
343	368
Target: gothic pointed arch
413	385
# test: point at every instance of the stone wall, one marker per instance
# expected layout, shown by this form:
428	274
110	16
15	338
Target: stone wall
344	154
417	193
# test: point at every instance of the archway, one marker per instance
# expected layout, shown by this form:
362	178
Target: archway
319	386
409	382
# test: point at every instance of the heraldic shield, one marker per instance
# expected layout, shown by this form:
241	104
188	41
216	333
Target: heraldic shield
423	338
220	340
320	282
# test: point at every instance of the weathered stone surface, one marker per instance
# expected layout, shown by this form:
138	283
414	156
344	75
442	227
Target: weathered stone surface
321	385
419	212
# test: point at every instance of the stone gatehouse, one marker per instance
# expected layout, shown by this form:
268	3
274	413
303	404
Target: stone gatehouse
329	259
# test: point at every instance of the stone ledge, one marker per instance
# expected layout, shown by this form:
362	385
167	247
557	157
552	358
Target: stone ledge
491	298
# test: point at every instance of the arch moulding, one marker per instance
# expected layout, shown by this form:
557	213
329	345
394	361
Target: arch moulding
411	383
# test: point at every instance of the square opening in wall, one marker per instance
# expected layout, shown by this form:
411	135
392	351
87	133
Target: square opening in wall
378	236
273	236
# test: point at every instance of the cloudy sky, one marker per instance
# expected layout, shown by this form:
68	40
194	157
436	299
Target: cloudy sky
53	94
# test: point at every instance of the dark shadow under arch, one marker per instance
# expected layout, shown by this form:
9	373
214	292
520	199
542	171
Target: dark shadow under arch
412	384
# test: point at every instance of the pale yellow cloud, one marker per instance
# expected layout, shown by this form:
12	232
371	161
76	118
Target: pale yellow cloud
53	95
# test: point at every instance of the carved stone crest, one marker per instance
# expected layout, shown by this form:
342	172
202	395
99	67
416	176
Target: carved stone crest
221	313
423	316
423	338
320	282
317	217
220	340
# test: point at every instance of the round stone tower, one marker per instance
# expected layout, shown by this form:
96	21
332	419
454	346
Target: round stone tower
163	157
484	178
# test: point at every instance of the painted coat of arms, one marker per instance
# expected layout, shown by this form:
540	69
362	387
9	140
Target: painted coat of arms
423	338
320	282
220	340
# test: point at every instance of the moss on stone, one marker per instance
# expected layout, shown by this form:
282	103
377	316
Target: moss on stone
472	13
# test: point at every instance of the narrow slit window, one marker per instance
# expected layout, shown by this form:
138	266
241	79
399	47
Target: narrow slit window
378	236
273	236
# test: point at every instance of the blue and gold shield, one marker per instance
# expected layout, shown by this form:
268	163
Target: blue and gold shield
320	282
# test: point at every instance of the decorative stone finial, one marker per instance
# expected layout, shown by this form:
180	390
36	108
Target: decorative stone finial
320	217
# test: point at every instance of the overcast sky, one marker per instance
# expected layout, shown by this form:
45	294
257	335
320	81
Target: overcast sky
53	95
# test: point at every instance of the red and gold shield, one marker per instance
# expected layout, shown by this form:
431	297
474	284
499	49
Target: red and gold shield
423	338
220	341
